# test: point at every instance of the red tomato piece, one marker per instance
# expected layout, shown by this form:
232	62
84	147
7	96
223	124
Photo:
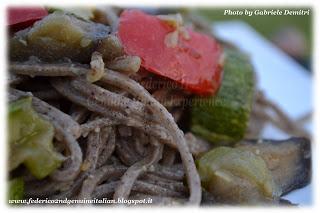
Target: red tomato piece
193	63
22	17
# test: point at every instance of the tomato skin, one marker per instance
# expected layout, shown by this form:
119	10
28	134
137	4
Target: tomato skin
193	63
23	17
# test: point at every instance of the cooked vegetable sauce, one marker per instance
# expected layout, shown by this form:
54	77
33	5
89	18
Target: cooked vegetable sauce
83	122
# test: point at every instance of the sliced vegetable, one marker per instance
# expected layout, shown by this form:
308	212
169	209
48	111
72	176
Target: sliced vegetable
56	37
288	160
16	189
236	176
85	13
22	17
189	58
30	140
224	117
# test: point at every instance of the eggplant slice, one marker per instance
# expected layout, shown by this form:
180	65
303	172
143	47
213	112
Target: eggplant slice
289	160
56	37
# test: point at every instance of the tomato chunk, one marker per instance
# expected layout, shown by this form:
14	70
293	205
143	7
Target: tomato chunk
195	62
22	17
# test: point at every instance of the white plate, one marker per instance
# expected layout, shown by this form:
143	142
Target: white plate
281	78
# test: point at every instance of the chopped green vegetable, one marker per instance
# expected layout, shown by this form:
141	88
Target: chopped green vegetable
224	117
236	176
30	140
58	36
16	189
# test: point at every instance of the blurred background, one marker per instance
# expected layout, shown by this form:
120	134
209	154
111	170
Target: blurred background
292	34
